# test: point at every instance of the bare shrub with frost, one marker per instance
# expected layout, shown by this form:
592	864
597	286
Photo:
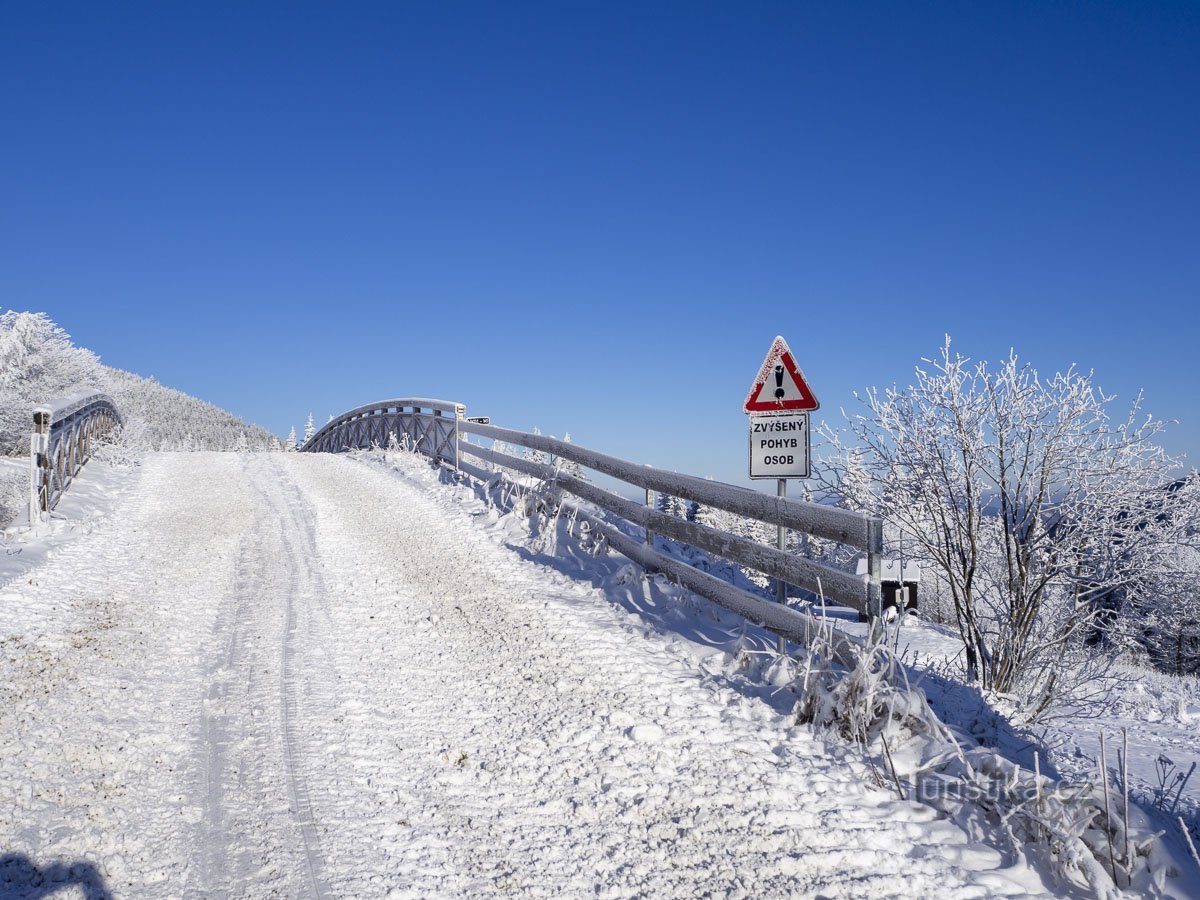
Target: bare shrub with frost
1028	498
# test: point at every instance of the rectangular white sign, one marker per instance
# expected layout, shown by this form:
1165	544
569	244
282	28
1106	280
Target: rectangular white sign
779	446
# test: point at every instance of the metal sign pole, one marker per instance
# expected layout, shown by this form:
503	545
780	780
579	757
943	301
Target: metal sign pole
780	586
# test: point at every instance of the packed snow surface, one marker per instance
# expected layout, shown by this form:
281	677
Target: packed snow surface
298	675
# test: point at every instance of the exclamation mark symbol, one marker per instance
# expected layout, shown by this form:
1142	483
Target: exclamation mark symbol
779	383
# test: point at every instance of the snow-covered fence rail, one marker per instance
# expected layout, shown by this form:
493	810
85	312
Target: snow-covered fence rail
64	434
821	521
434	427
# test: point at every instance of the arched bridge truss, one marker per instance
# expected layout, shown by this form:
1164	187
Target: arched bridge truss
428	426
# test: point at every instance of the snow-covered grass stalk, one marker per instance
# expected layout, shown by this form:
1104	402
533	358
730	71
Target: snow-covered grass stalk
1125	791
1190	843
1112	857
541	504
1070	830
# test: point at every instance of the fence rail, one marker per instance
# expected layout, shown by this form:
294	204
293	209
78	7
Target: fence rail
64	435
425	426
844	526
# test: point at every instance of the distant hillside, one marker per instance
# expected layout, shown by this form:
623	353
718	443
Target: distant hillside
39	363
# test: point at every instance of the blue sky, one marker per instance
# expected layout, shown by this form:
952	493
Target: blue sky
594	217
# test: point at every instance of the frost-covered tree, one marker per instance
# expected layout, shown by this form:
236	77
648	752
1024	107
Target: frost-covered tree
1012	487
309	429
1155	614
291	439
166	416
38	364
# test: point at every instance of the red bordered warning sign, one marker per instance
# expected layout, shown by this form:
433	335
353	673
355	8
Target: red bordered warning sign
780	385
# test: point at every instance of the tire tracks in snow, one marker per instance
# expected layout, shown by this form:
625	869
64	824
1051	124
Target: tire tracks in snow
294	652
263	663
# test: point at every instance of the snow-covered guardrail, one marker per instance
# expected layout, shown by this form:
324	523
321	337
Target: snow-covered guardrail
435	428
64	433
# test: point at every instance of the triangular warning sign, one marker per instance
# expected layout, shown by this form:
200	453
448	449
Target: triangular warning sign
780	385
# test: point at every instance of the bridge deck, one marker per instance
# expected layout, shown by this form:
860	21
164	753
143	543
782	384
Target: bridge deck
289	675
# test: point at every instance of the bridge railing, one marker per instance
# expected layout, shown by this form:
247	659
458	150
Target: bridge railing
65	433
429	426
436	428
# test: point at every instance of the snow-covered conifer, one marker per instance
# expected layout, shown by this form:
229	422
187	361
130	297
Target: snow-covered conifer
569	466
669	505
538	456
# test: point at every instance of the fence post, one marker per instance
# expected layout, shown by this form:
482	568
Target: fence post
649	505
874	604
38	445
460	413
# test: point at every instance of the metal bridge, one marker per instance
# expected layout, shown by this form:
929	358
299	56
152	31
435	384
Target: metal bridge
64	433
429	426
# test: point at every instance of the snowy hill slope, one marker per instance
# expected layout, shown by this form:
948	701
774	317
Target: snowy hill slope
39	363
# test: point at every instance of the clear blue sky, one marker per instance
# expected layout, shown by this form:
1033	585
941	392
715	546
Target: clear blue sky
595	216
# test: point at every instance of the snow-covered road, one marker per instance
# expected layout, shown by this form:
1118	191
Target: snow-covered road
298	675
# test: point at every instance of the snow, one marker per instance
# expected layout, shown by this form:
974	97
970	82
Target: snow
90	502
1159	713
64	406
891	569
297	674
